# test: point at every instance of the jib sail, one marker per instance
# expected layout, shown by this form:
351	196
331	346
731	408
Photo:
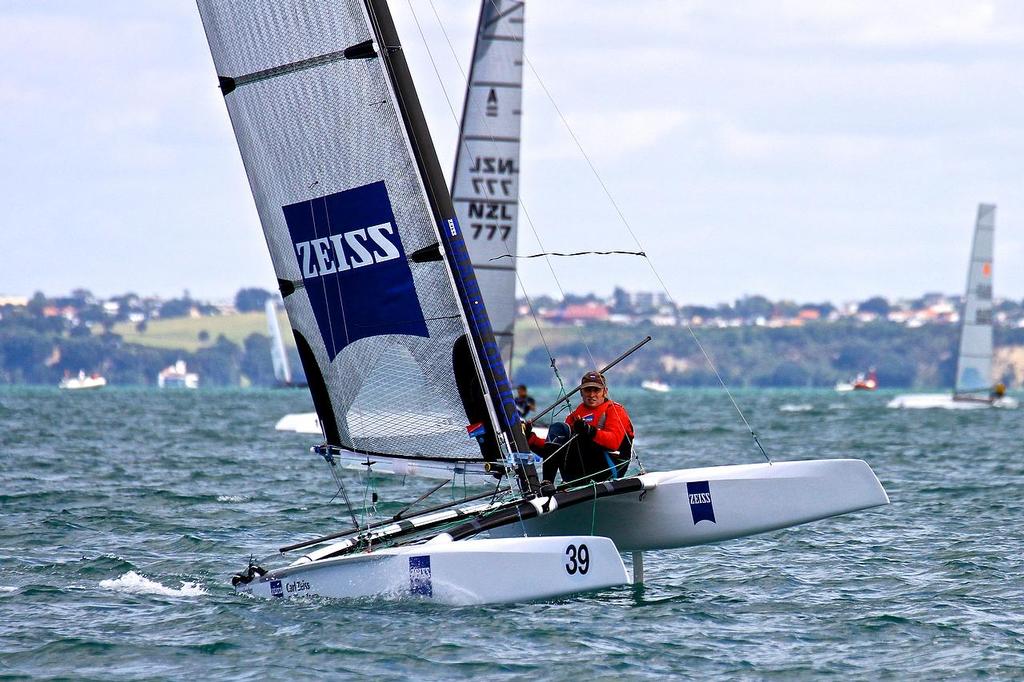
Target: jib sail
377	284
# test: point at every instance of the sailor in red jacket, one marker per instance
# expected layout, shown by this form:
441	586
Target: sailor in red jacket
595	442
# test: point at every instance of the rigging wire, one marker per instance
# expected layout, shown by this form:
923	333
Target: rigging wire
575	253
629	228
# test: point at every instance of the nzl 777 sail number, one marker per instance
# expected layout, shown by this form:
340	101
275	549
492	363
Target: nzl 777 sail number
577	559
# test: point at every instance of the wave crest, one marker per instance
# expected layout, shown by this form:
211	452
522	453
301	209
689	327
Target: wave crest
134	583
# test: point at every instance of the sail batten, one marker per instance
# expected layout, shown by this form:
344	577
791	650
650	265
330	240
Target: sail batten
357	218
974	357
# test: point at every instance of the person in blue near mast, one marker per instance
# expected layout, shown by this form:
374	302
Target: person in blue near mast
524	401
594	444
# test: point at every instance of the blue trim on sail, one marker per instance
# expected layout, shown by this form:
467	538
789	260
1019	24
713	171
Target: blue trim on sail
479	323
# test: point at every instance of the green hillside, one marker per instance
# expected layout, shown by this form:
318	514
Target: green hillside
182	333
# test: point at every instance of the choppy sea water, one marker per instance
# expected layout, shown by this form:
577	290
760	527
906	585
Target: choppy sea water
123	514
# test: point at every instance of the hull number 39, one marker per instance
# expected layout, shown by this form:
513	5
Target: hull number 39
577	560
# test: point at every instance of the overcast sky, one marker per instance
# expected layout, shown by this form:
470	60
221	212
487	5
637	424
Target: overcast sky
793	148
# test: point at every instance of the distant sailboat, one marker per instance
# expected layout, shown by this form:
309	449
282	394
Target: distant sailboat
282	368
973	388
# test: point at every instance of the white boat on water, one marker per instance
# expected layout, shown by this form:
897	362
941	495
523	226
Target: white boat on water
82	381
655	386
177	376
974	388
388	318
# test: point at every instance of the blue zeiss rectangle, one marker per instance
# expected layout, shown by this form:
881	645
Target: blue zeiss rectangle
419	576
354	266
702	508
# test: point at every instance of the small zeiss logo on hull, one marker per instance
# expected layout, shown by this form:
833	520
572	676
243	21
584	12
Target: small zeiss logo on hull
275	589
419	576
354	267
702	508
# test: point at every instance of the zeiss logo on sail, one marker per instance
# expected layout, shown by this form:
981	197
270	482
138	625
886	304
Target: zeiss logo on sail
349	250
702	508
340	252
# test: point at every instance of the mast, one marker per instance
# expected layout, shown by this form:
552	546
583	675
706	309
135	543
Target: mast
494	385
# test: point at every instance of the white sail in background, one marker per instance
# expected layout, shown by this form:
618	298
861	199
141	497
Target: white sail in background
370	260
282	369
485	188
974	361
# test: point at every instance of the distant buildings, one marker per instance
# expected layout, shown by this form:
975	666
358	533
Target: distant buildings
630	308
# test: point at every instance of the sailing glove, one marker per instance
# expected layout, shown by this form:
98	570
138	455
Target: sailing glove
583	429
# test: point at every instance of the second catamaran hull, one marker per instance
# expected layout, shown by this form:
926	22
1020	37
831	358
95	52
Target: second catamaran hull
944	401
456	573
699	506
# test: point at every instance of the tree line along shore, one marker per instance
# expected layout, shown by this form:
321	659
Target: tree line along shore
753	343
234	350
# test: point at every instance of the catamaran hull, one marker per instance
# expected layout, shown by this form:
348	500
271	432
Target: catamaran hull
698	506
944	401
456	573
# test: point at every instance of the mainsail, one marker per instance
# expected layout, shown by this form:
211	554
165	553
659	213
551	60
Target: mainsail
278	355
485	186
974	361
384	304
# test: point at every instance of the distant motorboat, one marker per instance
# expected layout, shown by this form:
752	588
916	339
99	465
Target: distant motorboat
655	386
973	388
862	382
177	376
300	422
82	381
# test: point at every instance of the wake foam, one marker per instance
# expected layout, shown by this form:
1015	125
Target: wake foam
134	583
801	407
7	588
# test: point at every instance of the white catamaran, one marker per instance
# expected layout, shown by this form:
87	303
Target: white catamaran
398	348
485	189
973	388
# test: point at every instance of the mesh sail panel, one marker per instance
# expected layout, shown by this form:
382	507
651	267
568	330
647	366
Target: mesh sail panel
344	212
974	363
485	189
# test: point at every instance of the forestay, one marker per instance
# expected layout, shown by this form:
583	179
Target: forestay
485	188
974	361
386	313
